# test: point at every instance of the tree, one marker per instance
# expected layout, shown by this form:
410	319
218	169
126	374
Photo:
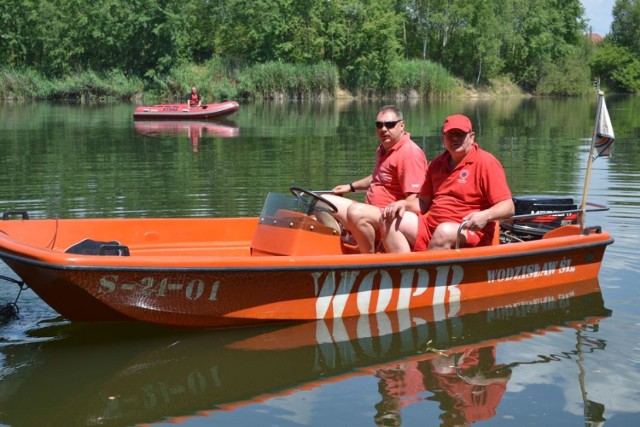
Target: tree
617	67
625	27
543	32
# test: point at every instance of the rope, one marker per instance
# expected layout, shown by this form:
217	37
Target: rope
11	311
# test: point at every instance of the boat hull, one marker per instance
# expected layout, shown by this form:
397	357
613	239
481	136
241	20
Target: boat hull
208	273
182	112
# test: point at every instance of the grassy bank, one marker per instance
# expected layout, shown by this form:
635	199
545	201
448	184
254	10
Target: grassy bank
219	80
31	85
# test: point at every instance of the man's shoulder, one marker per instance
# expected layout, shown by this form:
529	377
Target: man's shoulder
440	159
407	144
485	155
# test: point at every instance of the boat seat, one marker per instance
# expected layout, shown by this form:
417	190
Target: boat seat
329	220
496	235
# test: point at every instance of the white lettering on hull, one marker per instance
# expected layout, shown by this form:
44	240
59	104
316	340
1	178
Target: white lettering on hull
530	271
193	290
335	293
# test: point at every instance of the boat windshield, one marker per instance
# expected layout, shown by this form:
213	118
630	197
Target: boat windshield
302	203
279	210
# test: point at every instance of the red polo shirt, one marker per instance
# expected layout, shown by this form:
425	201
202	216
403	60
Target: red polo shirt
397	171
476	183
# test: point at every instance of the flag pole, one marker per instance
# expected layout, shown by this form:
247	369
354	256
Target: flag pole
583	207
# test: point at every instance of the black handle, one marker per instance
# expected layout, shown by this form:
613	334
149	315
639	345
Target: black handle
7	214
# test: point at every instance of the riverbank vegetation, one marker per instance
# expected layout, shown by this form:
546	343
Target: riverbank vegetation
234	49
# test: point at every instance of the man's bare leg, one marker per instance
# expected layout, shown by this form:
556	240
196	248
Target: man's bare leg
399	235
363	221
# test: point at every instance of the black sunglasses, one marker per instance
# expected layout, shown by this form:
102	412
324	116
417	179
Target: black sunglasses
388	125
456	133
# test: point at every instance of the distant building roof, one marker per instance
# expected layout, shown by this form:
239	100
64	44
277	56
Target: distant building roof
595	38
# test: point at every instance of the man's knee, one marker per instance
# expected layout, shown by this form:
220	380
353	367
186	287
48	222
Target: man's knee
445	235
361	213
342	204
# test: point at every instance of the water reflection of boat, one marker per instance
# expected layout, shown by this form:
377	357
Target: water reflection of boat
111	374
217	128
194	130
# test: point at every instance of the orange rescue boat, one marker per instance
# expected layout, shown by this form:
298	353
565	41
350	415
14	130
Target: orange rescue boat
290	264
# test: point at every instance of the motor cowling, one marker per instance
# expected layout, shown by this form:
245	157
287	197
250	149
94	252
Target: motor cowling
551	212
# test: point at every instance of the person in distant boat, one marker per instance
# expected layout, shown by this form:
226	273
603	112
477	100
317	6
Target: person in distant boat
464	184
193	98
398	173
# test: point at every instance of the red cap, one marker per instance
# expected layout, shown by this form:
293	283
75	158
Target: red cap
457	121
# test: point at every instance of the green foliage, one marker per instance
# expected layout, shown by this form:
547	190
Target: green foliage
617	67
483	39
629	76
616	61
171	44
553	30
569	76
625	28
375	46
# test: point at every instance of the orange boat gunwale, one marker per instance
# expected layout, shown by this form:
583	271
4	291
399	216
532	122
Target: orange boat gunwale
302	263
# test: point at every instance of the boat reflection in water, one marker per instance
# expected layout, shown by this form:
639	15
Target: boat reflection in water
195	130
125	374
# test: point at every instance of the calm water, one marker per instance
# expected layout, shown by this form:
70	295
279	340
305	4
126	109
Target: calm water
555	362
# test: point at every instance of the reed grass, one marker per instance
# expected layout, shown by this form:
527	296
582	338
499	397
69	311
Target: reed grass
21	84
219	80
275	80
90	85
29	85
426	78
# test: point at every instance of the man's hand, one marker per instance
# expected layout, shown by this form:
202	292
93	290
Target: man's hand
394	210
476	220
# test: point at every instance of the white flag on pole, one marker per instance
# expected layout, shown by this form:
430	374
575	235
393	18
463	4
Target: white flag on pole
604	134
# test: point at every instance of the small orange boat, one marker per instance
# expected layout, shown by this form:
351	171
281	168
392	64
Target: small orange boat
290	264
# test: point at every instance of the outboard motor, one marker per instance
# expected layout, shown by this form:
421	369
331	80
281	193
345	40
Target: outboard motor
550	213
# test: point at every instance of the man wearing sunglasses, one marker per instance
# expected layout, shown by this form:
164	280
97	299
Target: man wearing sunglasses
398	173
464	185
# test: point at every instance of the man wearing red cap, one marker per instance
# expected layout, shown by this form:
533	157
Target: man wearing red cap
463	184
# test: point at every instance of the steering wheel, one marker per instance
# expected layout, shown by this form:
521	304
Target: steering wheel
300	193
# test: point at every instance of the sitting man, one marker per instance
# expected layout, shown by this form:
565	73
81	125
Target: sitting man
193	98
463	184
398	173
